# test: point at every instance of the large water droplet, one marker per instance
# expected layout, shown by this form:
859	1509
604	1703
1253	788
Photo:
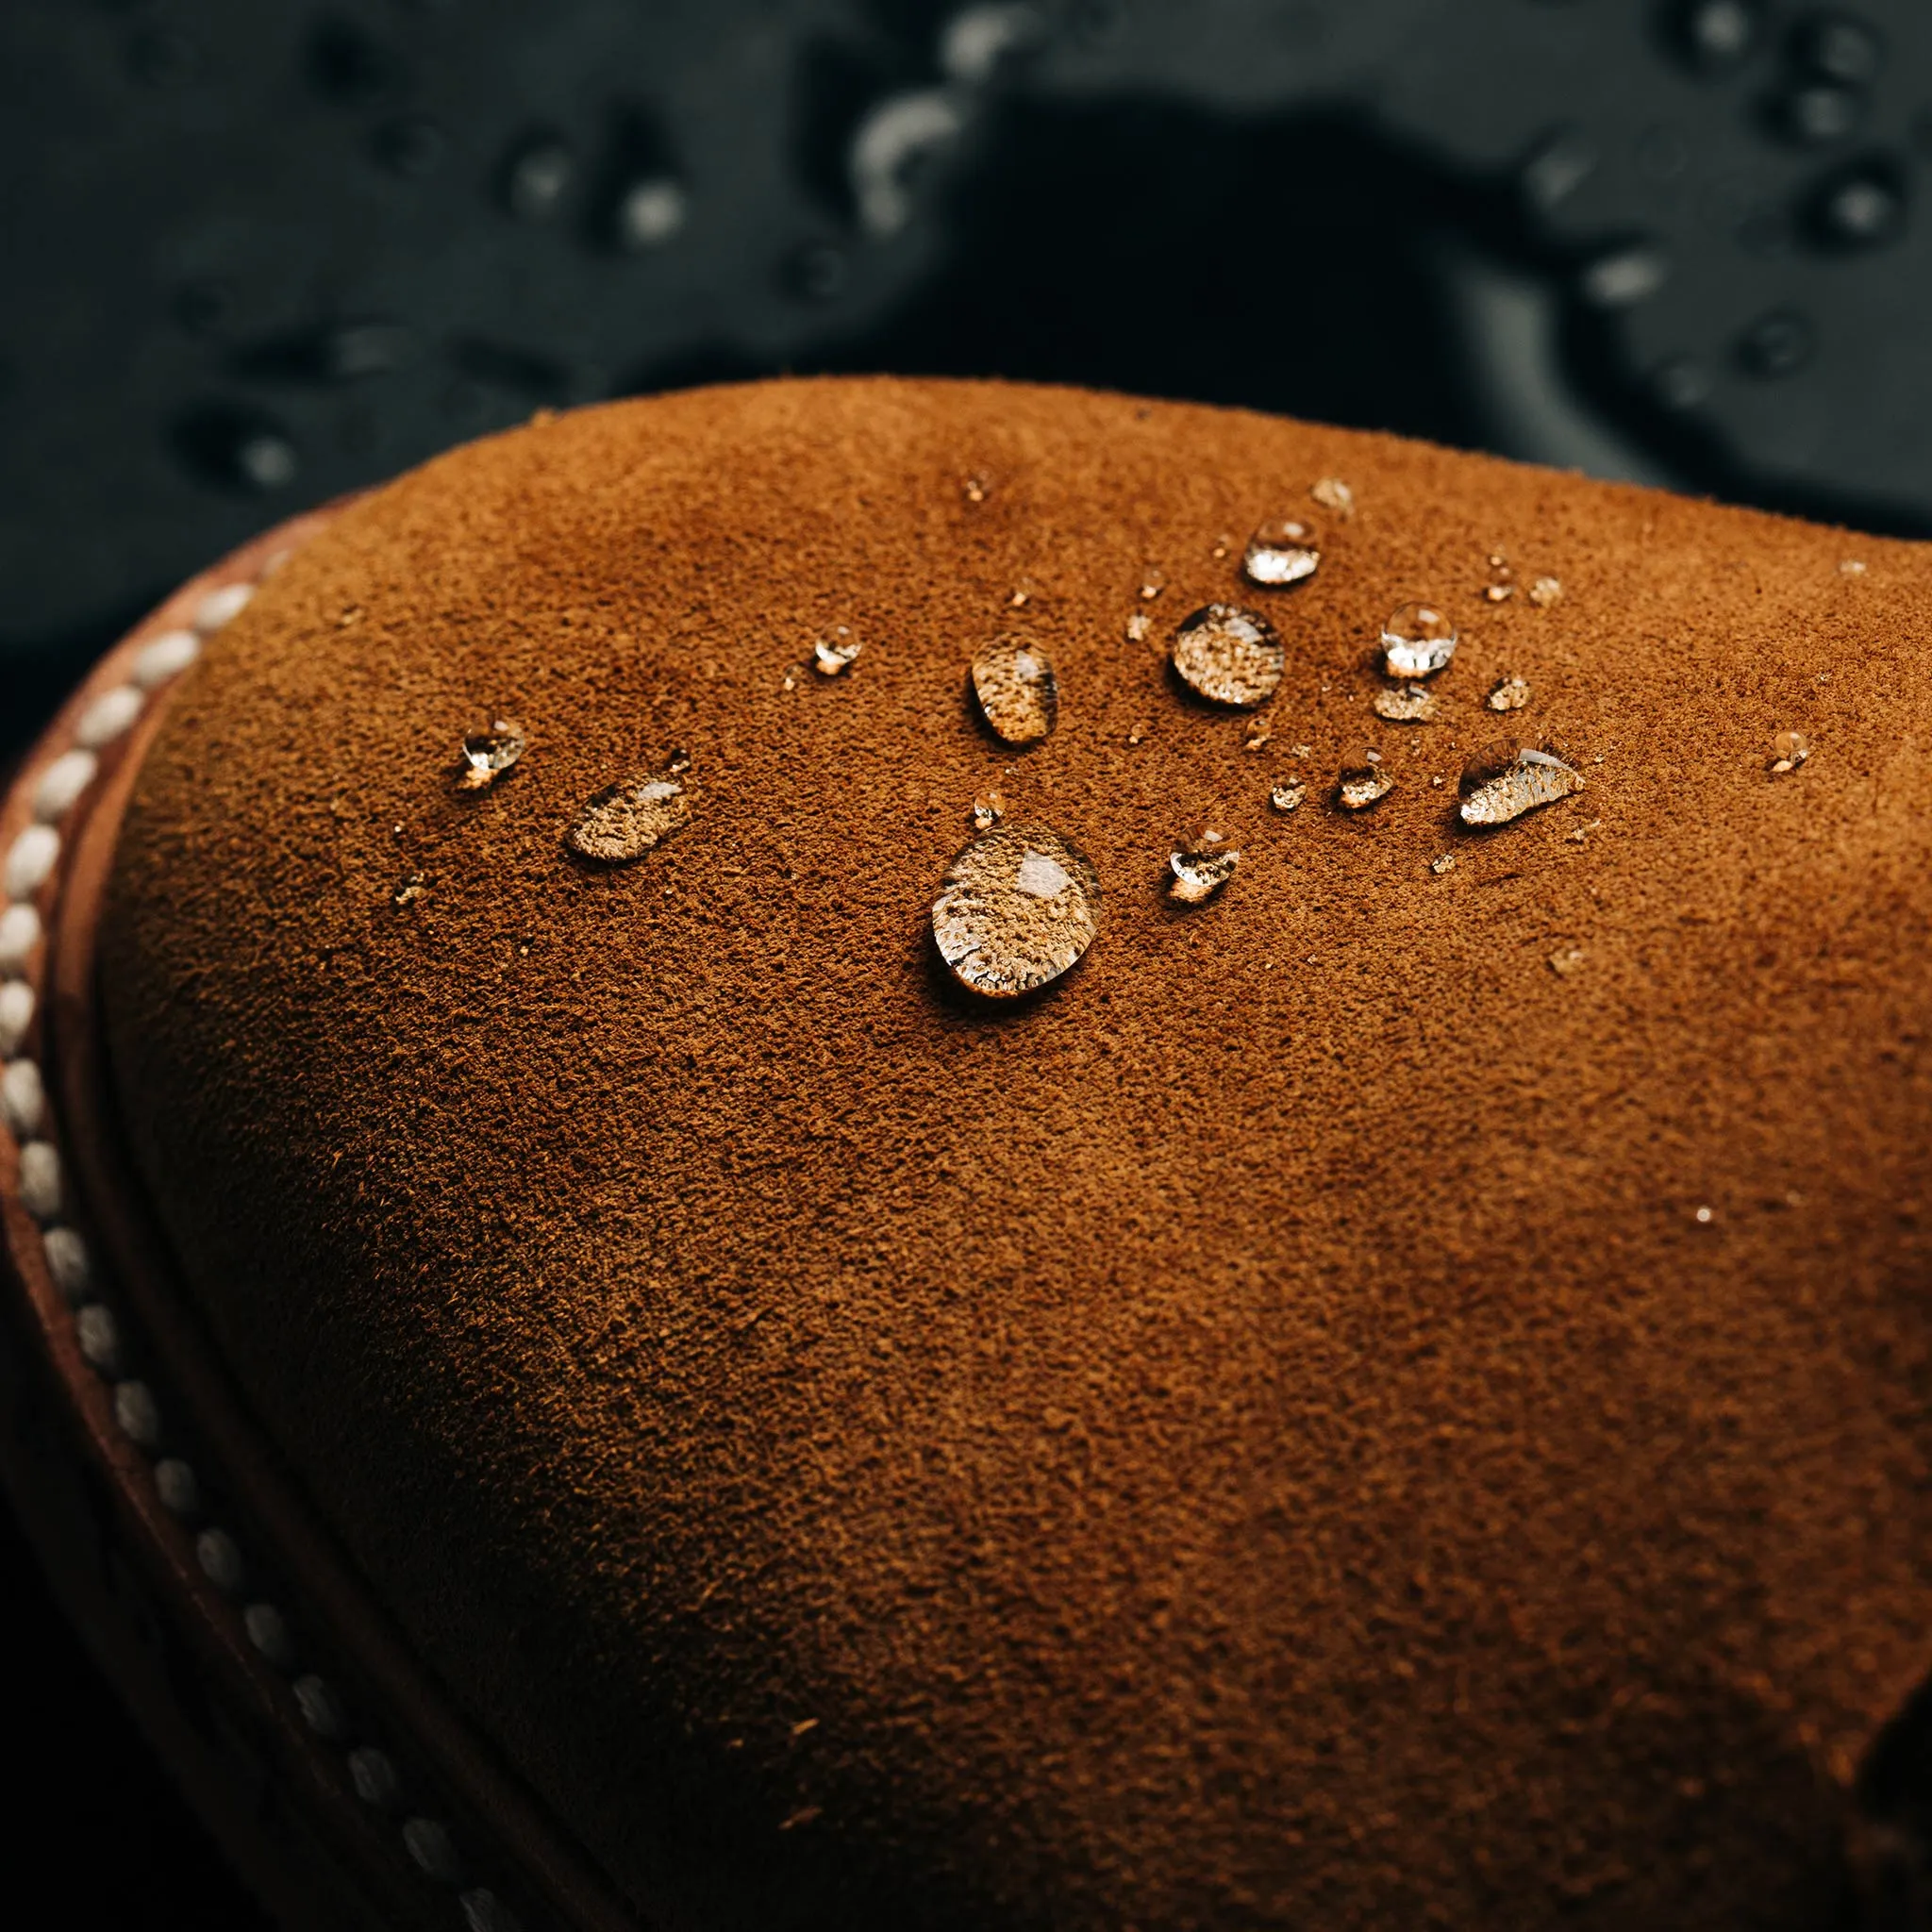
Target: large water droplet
1018	693
1412	705
1280	553
1018	907
1417	642
1203	861
1534	778
623	822
1228	656
1363	785
488	751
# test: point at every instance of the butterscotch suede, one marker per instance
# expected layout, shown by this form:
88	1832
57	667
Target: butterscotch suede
1260	1436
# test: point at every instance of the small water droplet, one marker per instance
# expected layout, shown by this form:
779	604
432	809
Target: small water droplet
1777	344
1152	584
1300	751
623	822
1285	797
831	656
1019	695
1221	545
1510	695
1362	785
648	212
975	489
488	751
1498	593
1203	861
413	888
537	178
1256	734
1285	551
1534	778
1703	1217
1412	705
1850	567
1582	835
1567	963
1790	750
988	808
1228	656
1334	496
1545	591
1445	863
1018	907
794	677
1417	642
1138	624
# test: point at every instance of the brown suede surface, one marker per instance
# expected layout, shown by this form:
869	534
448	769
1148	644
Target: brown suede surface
1257	1436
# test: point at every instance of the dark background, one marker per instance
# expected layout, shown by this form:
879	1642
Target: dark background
260	252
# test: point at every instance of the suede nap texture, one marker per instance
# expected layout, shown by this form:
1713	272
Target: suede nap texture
1259	1435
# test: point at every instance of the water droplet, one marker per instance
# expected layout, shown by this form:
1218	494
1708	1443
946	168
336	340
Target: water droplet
1582	835
1152	584
1018	907
1624	277
1417	642
1445	863
1534	778
1286	551
1020	597
1719	35
1567	963
1510	695
623	822
1334	496
1776	344
1850	567
1498	593
1362	785
648	213
536	178
988	808
1018	693
1679	382
1221	546
1285	797
1839	47
488	751
1202	863
1545	591
1300	751
1256	734
1703	1217
1818	114
975	489
1138	624
1228	656
1861	207
831	656
1412	705
1790	750
413	888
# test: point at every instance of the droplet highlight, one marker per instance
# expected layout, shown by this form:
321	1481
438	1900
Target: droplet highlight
1228	656
1285	551
1018	907
1417	642
1017	689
